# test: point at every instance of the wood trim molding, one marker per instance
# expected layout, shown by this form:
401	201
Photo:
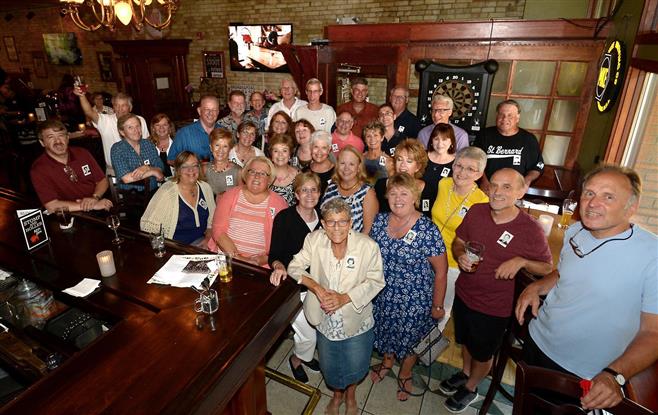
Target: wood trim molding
645	65
625	115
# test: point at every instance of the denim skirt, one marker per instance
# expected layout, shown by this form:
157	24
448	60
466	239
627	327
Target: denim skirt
345	362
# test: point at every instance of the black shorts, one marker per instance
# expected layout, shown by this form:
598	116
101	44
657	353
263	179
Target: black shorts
480	333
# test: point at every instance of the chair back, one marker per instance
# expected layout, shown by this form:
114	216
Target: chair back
534	384
643	387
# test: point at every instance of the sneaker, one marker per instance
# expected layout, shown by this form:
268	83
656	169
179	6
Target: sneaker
298	372
313	365
449	386
458	402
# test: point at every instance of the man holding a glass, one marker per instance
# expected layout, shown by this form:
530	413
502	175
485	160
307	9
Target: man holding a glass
601	321
493	242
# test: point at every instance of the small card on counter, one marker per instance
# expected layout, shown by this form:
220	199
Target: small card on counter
83	288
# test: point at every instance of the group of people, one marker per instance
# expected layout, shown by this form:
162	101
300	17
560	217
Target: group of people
373	220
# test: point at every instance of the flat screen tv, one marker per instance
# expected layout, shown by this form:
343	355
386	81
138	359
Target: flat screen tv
254	47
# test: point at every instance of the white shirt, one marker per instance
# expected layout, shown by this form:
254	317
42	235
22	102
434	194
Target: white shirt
280	106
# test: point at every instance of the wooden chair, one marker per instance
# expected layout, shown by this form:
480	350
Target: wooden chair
527	401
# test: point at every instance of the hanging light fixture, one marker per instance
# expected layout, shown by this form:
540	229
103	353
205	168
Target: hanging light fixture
91	15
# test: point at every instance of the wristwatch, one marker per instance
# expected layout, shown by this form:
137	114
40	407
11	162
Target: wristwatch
619	378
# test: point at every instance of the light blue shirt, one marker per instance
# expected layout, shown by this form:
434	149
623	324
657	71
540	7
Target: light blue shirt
593	312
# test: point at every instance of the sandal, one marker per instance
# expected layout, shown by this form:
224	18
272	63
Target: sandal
379	372
403	392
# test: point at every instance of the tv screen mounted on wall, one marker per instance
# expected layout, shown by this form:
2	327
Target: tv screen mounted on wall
254	47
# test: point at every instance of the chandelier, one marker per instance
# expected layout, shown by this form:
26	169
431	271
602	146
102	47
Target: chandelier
91	15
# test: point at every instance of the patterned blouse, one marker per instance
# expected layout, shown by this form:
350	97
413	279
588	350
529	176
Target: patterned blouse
355	201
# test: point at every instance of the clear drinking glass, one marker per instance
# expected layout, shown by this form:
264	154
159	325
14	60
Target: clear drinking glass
158	244
568	208
113	223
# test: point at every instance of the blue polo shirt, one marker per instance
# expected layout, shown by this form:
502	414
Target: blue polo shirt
192	138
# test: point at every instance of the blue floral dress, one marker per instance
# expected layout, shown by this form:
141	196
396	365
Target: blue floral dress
403	309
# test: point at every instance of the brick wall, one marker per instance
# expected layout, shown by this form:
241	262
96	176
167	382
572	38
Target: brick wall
646	165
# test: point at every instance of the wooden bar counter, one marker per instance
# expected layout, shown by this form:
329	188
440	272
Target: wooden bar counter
153	359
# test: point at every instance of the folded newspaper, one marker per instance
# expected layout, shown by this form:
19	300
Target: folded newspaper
186	271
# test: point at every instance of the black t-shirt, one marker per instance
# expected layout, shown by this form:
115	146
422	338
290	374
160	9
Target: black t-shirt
520	151
407	124
433	174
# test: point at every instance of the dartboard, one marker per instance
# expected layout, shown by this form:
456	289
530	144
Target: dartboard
468	86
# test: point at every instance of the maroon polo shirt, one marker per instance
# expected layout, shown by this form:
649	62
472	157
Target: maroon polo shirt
52	182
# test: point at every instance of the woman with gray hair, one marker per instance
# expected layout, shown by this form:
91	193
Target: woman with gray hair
322	161
455	196
345	274
242	223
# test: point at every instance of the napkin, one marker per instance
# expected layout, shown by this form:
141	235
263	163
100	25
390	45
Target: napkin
83	288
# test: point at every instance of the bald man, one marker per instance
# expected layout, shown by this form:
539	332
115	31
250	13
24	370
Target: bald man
484	298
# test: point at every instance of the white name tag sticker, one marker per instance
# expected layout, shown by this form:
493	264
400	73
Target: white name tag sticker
350	262
86	170
203	204
382	161
147	162
294	161
425	205
401	128
445	172
323	121
272	212
409	237
229	180
463	211
516	160
504	239
392	151
334	148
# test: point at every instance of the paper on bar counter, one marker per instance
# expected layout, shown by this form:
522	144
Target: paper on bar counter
83	288
172	272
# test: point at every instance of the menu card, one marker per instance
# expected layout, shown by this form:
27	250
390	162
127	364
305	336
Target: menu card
33	227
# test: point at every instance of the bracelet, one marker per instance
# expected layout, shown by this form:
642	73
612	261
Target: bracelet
439	307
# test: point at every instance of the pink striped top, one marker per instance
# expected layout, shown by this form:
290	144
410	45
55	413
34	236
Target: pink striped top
246	226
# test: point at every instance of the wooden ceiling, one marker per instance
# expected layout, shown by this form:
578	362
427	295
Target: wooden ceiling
19	5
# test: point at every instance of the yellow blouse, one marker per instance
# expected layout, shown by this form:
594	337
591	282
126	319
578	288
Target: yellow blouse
449	210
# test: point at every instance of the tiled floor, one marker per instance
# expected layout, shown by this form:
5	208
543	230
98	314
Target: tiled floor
372	399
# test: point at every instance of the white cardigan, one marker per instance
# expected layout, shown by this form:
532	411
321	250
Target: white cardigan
163	209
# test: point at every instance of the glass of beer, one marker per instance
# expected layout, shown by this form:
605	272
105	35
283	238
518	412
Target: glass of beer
224	267
474	252
568	208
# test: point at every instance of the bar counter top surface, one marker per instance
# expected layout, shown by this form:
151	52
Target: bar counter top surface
154	359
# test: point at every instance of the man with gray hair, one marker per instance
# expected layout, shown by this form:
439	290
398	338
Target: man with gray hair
600	317
289	101
107	123
362	111
406	123
442	107
507	145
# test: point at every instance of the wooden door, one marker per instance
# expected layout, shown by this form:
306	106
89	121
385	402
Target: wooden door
155	75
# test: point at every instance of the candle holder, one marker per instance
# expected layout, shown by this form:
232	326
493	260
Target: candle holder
106	263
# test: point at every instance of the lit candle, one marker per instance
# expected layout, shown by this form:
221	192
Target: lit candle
81	127
31	117
546	222
106	263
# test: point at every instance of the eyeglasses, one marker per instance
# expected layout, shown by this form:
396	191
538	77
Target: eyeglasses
190	167
255	173
72	176
386	114
313	91
459	167
579	253
308	191
340	223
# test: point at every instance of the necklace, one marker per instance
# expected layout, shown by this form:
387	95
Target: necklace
350	188
217	169
449	198
395	230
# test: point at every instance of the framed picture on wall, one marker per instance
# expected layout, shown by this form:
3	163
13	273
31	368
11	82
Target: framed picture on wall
105	66
39	63
10	47
213	64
